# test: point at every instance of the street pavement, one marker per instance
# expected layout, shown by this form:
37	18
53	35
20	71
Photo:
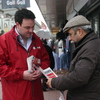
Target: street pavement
53	95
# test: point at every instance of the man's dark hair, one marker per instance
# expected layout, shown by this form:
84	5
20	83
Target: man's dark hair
23	14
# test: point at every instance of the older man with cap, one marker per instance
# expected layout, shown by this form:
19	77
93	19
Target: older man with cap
83	79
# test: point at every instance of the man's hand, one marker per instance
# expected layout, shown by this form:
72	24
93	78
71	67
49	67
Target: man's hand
32	76
37	71
49	82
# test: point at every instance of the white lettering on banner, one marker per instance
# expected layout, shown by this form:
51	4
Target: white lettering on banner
10	2
13	2
20	2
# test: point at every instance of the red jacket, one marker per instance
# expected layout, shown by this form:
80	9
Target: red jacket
13	63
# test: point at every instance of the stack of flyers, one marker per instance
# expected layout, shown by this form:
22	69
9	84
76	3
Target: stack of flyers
31	61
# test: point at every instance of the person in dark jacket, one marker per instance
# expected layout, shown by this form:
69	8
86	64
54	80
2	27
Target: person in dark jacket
83	79
49	51
52	63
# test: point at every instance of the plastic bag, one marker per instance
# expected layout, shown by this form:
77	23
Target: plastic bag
62	97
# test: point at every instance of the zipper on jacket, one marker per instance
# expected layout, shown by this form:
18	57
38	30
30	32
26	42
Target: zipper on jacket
28	53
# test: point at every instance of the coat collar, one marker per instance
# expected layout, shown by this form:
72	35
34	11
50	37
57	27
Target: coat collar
90	36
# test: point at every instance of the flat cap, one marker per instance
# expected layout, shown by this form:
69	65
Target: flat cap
76	21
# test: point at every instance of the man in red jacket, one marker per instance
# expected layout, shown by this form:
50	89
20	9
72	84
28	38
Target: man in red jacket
15	47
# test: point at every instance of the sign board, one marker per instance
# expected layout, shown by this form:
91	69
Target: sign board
15	4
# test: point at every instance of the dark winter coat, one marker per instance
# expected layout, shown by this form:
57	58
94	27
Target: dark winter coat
83	79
